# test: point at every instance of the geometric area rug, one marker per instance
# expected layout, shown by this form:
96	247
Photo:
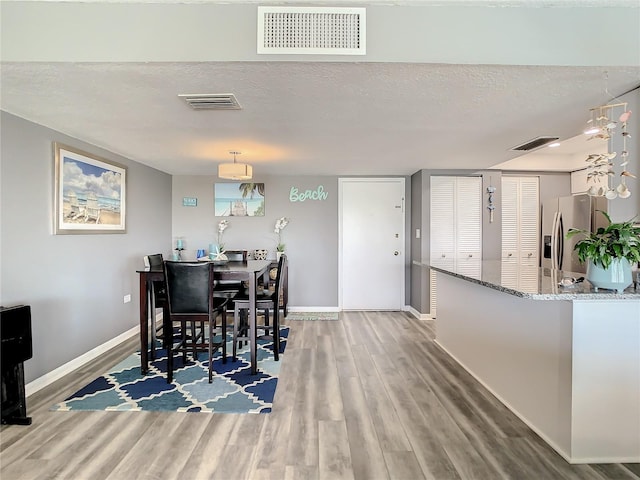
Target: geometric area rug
233	390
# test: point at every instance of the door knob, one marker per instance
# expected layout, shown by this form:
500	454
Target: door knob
396	253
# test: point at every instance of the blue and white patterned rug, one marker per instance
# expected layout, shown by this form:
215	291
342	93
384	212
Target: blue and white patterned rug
233	390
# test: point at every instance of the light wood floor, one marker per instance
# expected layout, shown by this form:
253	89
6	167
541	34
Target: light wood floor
367	397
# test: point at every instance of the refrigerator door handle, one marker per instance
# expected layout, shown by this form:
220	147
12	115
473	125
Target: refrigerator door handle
560	241
554	239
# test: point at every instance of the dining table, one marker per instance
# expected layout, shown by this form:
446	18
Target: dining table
249	272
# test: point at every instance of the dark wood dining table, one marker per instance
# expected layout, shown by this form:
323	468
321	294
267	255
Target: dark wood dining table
248	272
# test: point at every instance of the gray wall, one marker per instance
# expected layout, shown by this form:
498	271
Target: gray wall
395	33
311	237
75	284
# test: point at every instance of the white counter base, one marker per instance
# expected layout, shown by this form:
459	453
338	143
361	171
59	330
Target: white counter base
570	369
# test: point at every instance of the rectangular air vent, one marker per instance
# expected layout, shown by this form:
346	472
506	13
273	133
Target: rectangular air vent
311	30
535	143
211	101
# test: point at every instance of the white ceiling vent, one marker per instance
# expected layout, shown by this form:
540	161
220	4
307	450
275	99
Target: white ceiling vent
312	30
211	101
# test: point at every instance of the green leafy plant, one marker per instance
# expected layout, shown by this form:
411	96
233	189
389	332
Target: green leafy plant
617	240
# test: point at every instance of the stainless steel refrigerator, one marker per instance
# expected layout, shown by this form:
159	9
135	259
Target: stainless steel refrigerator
558	216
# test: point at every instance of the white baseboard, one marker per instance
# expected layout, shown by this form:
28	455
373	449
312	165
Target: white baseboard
312	309
418	315
48	378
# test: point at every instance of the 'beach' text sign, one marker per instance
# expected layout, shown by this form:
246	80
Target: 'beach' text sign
318	194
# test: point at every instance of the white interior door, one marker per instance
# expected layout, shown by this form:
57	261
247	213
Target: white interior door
372	259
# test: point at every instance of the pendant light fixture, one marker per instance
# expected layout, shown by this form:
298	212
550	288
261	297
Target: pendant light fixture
235	170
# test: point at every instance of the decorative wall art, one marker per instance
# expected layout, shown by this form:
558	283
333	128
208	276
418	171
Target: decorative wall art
296	195
89	194
239	200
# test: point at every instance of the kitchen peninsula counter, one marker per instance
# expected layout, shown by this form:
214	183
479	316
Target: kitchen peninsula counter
530	282
566	360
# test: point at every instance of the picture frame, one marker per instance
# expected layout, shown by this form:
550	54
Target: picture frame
89	193
239	199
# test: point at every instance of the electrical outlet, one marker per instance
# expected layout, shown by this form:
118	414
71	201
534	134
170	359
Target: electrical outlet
127	298
417	233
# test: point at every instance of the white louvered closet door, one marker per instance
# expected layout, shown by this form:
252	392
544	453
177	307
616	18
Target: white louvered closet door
510	209
520	230
455	227
529	203
443	221
468	225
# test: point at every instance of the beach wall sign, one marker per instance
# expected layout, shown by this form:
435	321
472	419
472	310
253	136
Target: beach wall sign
318	194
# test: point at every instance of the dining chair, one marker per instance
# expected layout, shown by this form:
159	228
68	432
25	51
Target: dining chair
158	300
265	302
230	288
191	301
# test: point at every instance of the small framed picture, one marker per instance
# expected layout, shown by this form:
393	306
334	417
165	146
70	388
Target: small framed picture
89	193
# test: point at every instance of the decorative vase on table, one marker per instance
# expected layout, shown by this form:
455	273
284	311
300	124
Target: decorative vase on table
616	277
278	255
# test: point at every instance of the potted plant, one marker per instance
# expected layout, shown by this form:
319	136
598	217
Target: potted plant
609	252
280	224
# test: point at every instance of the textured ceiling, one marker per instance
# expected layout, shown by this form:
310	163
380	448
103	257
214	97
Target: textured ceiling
311	118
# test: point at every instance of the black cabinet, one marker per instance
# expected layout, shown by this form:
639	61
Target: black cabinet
15	338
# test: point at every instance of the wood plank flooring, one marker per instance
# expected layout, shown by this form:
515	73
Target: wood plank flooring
370	396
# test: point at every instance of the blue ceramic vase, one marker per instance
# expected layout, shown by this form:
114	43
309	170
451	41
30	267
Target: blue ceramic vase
616	277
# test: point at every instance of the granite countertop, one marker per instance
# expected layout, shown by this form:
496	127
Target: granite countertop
526	281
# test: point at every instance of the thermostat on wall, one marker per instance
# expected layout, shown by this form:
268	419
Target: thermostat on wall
189	202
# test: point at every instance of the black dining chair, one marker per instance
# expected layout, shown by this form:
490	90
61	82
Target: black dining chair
191	302
158	300
228	288
265	302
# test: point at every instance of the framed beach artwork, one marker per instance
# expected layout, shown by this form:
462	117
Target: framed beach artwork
90	193
239	199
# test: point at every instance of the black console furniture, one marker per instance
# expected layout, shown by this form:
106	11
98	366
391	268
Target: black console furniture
15	337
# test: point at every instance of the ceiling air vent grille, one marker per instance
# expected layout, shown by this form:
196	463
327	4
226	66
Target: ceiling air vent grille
535	143
311	30
211	101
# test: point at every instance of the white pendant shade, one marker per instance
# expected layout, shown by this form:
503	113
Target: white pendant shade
235	171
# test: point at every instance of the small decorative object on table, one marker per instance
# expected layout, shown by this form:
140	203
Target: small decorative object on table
216	251
179	248
280	224
222	226
260	254
217	254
